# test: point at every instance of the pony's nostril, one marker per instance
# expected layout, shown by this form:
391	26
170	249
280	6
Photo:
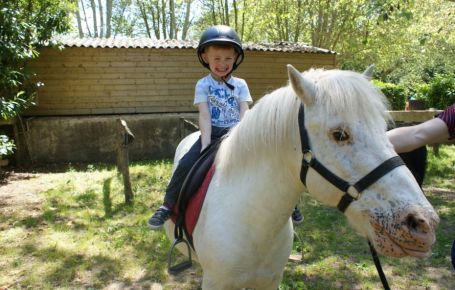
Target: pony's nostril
416	224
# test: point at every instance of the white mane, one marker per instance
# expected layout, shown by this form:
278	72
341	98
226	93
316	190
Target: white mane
272	122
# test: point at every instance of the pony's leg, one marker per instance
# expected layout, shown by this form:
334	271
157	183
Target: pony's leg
211	284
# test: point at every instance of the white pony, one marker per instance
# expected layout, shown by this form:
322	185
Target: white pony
244	234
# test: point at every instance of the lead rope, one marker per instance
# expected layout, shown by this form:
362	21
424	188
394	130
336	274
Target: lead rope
377	263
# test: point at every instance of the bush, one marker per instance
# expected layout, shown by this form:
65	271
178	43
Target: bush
441	91
6	146
396	94
420	91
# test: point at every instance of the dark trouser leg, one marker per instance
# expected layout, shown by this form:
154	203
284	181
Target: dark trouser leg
185	165
177	179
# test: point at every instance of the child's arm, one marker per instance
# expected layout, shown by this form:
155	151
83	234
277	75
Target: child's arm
243	108
205	124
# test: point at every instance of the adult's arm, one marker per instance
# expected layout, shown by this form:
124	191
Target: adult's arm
405	139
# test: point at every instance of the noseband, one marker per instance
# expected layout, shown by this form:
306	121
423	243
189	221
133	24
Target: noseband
351	191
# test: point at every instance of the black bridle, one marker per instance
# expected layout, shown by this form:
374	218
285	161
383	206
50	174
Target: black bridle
351	191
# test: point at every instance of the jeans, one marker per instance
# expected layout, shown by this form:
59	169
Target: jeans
185	165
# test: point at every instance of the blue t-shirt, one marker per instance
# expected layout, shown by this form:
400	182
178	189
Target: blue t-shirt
224	103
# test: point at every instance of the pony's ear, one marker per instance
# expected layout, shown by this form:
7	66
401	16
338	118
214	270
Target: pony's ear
368	73
304	88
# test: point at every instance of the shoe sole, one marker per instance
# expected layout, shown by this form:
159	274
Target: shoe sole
153	227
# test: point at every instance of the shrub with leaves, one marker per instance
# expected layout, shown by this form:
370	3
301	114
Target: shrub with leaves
24	26
394	93
6	146
441	92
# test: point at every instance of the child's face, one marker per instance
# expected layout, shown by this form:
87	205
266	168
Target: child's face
220	60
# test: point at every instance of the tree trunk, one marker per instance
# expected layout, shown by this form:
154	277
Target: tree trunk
85	18
236	18
172	25
144	17
79	22
226	12
298	21
163	18
186	23
213	13
108	17
95	25
154	11
100	8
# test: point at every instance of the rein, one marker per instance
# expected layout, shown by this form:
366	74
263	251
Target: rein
351	191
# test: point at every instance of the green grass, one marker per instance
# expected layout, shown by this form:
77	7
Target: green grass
84	237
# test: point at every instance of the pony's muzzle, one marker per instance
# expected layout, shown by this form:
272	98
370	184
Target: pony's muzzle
411	234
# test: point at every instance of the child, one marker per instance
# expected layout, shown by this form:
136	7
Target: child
222	101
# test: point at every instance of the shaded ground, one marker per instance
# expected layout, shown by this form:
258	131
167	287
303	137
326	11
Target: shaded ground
20	196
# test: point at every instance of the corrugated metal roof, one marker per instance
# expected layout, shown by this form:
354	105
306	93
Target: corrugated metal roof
179	44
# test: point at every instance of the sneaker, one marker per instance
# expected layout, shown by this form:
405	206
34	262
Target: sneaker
297	216
157	220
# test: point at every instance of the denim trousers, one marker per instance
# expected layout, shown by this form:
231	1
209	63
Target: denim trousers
185	165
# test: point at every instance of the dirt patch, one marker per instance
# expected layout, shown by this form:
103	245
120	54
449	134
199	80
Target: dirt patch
20	192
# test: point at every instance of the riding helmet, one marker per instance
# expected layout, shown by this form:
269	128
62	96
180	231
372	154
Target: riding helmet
222	35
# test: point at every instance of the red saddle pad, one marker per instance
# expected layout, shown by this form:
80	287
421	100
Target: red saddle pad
195	204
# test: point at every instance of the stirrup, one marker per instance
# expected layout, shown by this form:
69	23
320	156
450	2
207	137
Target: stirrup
175	269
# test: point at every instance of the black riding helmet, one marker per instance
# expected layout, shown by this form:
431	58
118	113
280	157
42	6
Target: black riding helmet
221	35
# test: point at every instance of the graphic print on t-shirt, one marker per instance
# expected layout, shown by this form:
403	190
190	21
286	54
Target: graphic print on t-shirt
224	107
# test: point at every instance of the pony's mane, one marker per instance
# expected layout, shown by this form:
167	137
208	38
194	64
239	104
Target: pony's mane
272	122
350	94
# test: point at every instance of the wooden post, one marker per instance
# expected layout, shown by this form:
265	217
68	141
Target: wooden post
125	138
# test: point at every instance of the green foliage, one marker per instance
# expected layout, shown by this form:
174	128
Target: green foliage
6	146
420	91
24	26
441	91
440	168
396	94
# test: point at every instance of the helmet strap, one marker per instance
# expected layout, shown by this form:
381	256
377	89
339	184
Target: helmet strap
228	84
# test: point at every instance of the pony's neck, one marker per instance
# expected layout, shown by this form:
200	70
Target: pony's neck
267	133
265	144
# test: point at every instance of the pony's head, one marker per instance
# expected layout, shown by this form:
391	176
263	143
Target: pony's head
345	120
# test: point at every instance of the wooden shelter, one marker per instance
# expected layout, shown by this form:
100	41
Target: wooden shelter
123	76
92	83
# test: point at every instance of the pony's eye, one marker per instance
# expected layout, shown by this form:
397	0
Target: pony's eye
340	135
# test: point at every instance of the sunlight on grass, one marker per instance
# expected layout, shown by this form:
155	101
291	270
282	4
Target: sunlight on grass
441	169
86	237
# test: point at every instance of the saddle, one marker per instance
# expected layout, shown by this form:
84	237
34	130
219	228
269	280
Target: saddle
185	213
